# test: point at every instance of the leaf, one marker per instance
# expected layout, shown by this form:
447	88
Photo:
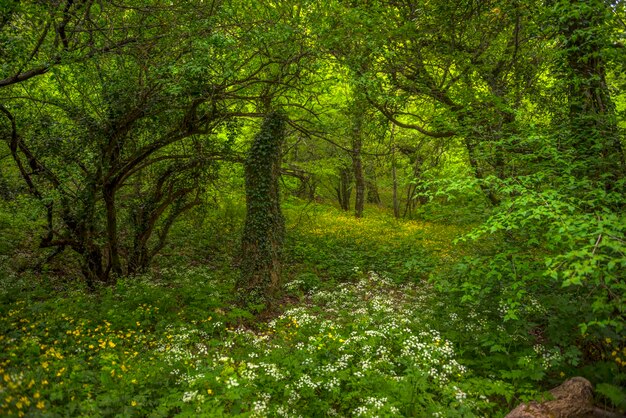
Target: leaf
616	394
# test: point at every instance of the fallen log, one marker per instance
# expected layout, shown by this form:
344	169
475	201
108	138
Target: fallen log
572	399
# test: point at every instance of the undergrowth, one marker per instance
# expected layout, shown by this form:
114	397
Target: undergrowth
379	319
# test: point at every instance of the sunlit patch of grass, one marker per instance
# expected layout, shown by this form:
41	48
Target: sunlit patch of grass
375	225
333	242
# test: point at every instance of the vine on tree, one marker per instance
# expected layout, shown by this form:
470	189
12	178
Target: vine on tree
264	227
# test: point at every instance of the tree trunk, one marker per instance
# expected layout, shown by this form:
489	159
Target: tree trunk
478	172
81	219
394	177
344	188
357	163
264	228
137	258
92	267
359	181
115	265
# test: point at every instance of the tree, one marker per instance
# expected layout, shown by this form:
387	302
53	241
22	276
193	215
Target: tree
81	186
264	228
584	32
118	137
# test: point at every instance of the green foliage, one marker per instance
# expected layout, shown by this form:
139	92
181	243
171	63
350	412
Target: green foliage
172	343
615	394
498	126
556	275
83	354
17	218
361	348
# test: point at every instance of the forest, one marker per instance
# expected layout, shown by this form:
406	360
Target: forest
299	208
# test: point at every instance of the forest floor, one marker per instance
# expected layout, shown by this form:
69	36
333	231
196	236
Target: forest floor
364	330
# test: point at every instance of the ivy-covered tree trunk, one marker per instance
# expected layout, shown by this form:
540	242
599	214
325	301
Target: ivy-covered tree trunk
594	135
264	228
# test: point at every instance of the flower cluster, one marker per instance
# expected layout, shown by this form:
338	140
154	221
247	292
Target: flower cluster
335	342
